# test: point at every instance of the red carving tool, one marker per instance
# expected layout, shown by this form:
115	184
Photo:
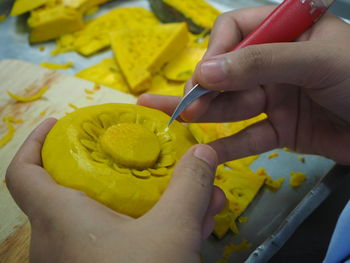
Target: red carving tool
288	21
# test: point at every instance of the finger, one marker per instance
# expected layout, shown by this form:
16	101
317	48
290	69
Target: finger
30	151
199	106
27	181
188	195
231	27
289	63
227	107
166	104
217	203
255	139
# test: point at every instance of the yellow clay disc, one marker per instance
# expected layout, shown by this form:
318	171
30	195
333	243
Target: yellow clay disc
131	145
118	154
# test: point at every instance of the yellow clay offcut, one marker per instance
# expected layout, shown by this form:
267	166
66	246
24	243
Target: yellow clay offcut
36	96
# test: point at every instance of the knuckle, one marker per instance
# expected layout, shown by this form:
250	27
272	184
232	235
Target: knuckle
222	18
253	59
200	172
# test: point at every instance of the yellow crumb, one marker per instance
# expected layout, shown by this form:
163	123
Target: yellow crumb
9	121
243	219
89	91
272	184
92	11
287	150
231	248
2	18
72	106
31	98
297	179
41	48
43	113
273	155
261	171
54	66
89	97
301	159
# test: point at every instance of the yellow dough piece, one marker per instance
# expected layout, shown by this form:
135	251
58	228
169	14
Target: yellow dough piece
182	66
95	35
83	6
54	66
106	73
9	121
163	86
118	154
50	23
141	52
23	6
36	96
240	188
205	18
297	179
198	14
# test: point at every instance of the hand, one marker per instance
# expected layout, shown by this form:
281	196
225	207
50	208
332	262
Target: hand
302	86
68	226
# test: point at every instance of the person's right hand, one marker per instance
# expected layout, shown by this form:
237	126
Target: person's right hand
304	87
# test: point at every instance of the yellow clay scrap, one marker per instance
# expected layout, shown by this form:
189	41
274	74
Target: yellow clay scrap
207	132
2	18
141	52
36	96
231	248
205	18
243	219
297	179
182	66
95	35
301	159
163	86
9	121
92	11
55	66
50	23
118	154
23	6
240	184
74	107
240	188
106	73
273	155
85	7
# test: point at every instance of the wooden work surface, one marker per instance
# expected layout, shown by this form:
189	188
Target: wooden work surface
26	79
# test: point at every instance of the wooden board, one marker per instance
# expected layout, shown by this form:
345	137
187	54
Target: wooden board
25	79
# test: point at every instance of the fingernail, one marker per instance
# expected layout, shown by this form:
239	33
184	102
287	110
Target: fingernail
207	154
212	71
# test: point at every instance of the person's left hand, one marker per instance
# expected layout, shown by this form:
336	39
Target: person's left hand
68	226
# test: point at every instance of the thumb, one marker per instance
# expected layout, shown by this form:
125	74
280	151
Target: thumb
29	184
300	63
190	189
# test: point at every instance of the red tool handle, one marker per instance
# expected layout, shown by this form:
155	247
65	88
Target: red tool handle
288	21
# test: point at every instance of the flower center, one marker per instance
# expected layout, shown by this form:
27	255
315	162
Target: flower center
131	145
